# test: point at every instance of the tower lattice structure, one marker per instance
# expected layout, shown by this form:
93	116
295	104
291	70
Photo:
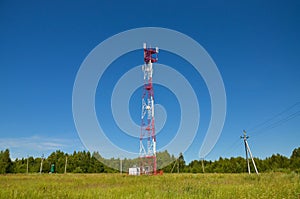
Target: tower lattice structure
147	137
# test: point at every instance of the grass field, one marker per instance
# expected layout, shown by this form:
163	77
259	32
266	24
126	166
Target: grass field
270	185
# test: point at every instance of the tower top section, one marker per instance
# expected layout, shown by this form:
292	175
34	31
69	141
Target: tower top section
150	54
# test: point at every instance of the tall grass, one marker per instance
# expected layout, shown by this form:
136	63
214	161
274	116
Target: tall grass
270	185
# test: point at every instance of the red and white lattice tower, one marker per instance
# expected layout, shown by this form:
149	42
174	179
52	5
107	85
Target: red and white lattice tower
147	137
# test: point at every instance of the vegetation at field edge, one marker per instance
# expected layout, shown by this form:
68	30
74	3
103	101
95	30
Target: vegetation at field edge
85	162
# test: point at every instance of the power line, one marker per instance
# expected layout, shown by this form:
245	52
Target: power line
263	128
278	123
284	120
272	118
273	122
232	147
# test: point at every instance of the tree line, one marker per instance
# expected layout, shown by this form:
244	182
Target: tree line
85	162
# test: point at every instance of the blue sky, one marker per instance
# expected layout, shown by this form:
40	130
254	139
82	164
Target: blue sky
255	45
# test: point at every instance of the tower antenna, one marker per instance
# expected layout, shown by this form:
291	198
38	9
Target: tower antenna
147	135
248	151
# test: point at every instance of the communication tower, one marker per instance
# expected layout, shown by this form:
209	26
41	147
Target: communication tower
147	136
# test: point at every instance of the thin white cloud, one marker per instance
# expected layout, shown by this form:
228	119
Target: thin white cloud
36	145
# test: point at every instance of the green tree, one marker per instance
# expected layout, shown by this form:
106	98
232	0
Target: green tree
19	166
163	159
181	163
5	162
295	160
195	166
277	162
57	158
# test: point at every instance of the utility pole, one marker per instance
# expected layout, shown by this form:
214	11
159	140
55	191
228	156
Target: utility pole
203	165
27	165
248	151
176	163
41	168
245	137
66	163
121	166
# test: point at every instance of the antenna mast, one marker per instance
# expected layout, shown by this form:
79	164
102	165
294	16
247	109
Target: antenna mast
147	136
248	151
